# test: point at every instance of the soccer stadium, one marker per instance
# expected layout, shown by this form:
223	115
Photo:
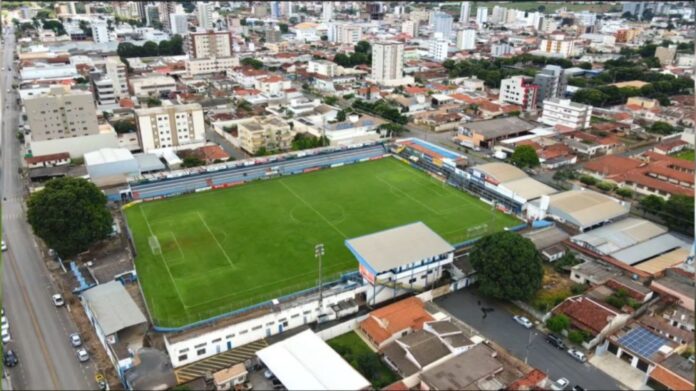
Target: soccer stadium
205	254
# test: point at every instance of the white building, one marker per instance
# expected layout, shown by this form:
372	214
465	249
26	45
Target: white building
209	44
442	23
564	112
387	61
203	66
322	67
481	15
100	32
557	47
327	11
520	91
205	15
438	49
466	39
151	85
344	33
179	24
500	49
499	15
170	126
410	27
464	12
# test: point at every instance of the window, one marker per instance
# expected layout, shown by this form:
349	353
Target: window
307	312
412	280
183	357
217	340
295	316
270	323
243	332
256	327
230	336
200	352
200	345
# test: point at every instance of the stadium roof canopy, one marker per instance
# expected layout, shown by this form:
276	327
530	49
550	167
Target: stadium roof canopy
501	172
305	362
398	246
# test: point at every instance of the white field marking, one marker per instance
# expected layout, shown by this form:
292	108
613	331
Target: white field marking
181	251
426	206
164	261
216	241
315	211
236	293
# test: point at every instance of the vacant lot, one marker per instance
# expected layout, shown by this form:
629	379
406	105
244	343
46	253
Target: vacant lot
363	359
206	254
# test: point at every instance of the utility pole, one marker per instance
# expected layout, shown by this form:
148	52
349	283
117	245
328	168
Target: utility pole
318	252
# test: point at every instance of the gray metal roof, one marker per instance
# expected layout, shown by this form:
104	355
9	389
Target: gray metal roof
649	249
149	162
399	246
620	235
113	307
494	128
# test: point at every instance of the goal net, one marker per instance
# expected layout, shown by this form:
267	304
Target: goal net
155	245
477	231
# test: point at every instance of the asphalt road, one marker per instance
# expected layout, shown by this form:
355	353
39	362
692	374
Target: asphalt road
39	330
502	329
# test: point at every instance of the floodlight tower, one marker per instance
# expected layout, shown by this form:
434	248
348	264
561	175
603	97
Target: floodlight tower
318	253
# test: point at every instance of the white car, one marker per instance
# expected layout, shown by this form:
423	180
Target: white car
58	300
75	339
3	246
5	324
523	321
6	335
578	355
560	384
82	355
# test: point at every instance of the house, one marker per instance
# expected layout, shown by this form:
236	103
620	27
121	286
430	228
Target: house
548	242
670	147
588	315
247	77
119	324
52	160
588	144
678	286
272	85
228	378
211	154
639	347
426	348
674	373
393	321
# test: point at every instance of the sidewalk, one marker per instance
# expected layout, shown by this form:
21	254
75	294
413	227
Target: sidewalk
620	370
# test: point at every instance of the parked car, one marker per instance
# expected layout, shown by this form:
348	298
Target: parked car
556	341
268	374
560	384
578	388
58	300
6	336
9	358
3	246
4	323
82	355
75	339
523	321
578	355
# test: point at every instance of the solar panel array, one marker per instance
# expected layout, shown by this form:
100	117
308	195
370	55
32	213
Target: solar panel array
643	342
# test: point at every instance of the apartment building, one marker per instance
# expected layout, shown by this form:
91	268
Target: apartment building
152	85
481	15
519	90
109	80
464	12
557	47
203	66
552	82
566	113
500	49
344	33
466	39
170	126
61	114
164	9
209	44
442	23
204	11
387	61
179	24
100	32
270	133
437	49
410	27
666	55
322	67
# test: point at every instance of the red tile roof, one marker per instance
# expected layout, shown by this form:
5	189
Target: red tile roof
586	313
386	321
415	90
611	165
531	381
671	380
47	158
211	153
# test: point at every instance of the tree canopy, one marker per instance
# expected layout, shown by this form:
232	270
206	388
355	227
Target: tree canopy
252	62
525	156
507	266
69	214
171	47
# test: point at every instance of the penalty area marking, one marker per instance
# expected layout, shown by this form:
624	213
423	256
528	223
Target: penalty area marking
234	267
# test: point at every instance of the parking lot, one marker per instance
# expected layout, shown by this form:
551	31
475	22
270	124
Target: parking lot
526	344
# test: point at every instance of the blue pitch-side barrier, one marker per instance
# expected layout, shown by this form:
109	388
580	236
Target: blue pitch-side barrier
344	278
83	285
541	224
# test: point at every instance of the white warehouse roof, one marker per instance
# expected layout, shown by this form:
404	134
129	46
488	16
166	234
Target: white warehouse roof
305	362
107	155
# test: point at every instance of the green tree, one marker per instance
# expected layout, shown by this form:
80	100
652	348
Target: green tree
576	336
55	26
124	126
153	102
624	192
679	213
652	204
192	161
507	266
558	323
69	214
252	62
262	152
588	180
660	127
363	47
525	156
341	116
331	100
283	28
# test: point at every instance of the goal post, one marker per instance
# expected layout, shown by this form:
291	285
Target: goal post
477	231
154	245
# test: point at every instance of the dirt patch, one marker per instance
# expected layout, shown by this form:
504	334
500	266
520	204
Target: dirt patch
555	288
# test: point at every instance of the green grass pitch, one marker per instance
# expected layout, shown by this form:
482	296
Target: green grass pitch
227	249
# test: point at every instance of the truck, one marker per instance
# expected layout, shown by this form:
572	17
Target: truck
500	155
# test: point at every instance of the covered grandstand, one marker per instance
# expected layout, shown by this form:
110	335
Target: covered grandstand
506	185
581	210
